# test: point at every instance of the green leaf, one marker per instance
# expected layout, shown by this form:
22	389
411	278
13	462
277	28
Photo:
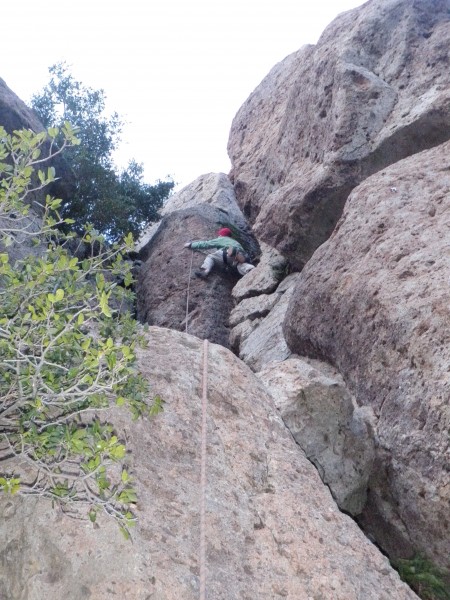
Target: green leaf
92	515
79	434
127	496
56	297
104	304
86	343
100	281
55	203
53	132
124	531
117	452
128	279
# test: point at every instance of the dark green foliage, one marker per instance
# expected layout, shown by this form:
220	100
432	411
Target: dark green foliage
67	347
428	581
114	202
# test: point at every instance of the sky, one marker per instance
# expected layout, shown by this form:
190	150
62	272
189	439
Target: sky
176	71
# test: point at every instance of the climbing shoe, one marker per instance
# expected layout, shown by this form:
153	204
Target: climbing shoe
201	274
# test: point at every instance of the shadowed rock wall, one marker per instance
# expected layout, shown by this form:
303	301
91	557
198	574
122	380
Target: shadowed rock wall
166	277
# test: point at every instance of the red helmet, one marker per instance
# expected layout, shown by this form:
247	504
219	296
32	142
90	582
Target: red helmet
225	232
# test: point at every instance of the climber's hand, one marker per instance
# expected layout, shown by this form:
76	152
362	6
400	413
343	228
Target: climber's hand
187	245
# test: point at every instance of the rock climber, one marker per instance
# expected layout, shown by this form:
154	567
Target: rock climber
229	253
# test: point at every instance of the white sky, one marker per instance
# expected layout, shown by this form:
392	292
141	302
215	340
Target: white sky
177	71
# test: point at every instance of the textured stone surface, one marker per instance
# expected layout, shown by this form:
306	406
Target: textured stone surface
21	245
241	331
257	318
263	279
253	308
335	434
272	528
194	213
375	89
14	115
213	189
166	276
374	301
265	342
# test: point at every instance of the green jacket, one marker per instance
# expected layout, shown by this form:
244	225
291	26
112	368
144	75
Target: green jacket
219	243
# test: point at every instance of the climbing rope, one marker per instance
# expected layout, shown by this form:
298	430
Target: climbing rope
188	290
203	475
202	558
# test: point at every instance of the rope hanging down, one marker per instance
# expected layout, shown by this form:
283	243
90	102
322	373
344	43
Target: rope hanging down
203	475
202	557
188	290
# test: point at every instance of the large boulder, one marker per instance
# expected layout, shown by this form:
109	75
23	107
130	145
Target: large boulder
374	301
272	528
375	89
334	433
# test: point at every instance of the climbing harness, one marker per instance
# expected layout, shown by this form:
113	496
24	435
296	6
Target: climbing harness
203	475
232	257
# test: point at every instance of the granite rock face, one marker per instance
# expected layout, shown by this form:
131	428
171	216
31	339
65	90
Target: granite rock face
16	115
334	433
168	292
256	320
272	528
260	341
373	301
212	189
375	89
263	280
21	243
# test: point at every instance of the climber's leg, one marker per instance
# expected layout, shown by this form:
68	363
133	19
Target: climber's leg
208	264
244	268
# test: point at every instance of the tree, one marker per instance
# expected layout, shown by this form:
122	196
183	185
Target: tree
114	202
67	348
